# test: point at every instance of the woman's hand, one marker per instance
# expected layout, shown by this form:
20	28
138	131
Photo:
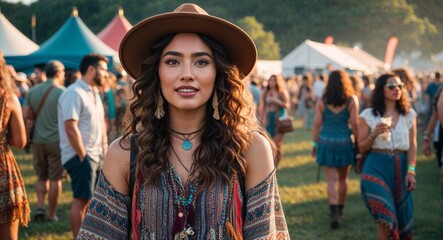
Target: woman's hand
314	151
380	128
426	147
410	182
276	100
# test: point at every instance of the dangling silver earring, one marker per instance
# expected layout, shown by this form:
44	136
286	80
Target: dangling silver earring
216	114
159	111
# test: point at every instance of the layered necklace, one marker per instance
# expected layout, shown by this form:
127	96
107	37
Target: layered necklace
185	200
185	137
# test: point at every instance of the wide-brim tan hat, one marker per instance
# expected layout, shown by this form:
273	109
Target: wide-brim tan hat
136	44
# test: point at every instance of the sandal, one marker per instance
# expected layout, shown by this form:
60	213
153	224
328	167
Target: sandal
40	215
53	220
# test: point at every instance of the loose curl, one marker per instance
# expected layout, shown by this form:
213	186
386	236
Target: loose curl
338	89
223	142
378	97
5	76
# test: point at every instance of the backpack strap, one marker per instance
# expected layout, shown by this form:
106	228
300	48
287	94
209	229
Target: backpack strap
42	102
241	181
132	165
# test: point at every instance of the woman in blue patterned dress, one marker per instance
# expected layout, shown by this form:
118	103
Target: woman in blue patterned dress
388	174
203	170
337	109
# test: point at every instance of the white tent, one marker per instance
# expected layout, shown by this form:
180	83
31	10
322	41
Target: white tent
312	55
266	68
372	63
12	41
439	57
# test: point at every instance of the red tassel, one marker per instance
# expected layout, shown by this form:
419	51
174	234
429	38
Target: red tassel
238	210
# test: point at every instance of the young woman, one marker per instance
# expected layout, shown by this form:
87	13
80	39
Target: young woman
388	175
14	206
306	101
334	112
274	104
203	170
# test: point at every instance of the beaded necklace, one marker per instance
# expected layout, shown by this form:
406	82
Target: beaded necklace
185	201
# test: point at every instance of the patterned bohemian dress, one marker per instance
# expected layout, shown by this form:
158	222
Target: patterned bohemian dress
13	200
161	212
335	148
383	177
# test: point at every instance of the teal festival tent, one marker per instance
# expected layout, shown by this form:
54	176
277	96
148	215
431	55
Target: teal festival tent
68	45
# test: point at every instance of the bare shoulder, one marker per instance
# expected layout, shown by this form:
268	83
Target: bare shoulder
259	159
354	101
116	165
12	100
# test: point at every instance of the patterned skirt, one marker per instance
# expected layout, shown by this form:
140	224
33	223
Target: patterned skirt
13	200
384	192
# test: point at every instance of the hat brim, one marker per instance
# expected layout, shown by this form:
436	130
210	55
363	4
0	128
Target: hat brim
137	43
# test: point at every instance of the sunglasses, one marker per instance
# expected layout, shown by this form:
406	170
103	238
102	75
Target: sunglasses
392	85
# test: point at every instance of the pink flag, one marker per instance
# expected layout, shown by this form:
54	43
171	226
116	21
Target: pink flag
390	51
329	40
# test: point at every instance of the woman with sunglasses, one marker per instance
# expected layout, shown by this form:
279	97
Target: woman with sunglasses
388	175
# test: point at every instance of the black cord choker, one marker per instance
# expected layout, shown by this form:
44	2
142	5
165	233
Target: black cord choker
185	137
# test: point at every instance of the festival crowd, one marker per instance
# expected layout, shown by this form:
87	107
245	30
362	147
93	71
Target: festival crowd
91	123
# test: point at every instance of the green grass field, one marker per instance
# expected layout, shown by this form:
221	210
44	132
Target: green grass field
304	200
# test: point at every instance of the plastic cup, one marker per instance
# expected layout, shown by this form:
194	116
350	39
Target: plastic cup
386	136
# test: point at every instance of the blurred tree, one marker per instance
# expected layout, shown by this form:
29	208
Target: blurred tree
432	12
268	48
417	24
370	23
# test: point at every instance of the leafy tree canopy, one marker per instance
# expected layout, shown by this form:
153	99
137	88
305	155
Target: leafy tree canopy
276	26
265	41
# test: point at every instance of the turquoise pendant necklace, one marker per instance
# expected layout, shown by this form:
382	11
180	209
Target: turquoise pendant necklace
185	137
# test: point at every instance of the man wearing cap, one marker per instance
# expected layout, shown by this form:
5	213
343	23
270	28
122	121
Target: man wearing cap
45	139
82	128
21	82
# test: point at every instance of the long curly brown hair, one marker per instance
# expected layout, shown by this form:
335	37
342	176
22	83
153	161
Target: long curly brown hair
5	76
338	89
378	97
223	142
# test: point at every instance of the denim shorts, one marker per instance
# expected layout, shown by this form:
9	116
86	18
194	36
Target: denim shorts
84	175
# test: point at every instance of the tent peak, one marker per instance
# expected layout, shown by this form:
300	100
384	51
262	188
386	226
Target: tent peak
120	12
74	12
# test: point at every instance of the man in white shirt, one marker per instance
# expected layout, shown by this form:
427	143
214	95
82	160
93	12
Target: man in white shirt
319	87
82	128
